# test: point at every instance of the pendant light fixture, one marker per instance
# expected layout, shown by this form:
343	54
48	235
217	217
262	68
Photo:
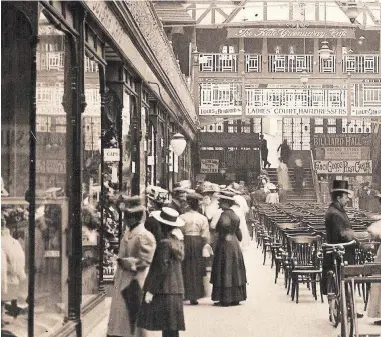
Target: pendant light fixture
324	51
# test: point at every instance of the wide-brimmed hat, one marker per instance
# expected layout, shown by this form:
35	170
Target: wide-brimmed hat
157	194
130	204
341	186
375	229
226	195
377	194
194	196
168	216
208	187
235	188
271	186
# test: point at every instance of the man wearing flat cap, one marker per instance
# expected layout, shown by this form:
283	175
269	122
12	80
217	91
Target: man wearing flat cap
338	227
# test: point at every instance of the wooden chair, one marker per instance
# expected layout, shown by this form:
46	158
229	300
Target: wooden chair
305	263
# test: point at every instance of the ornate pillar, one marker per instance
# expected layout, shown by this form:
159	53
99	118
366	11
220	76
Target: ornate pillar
265	58
339	56
316	63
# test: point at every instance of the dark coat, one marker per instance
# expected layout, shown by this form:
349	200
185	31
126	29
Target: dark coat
154	226
337	225
165	275
339	230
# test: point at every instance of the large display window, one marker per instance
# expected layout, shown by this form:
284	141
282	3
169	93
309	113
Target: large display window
91	180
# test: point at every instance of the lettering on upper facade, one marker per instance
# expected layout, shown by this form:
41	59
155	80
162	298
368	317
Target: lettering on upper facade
296	111
342	140
343	166
311	33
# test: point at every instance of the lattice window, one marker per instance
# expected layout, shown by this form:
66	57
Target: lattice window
245	126
372	95
357	125
232	127
220	94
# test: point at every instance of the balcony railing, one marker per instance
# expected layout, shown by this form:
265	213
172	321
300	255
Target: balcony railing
218	62
290	63
361	64
282	63
327	66
50	61
253	63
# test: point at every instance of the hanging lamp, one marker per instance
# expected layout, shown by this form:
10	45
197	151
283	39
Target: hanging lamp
324	51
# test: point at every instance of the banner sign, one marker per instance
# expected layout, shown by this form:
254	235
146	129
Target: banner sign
348	140
366	112
343	166
209	165
287	33
347	153
220	111
296	111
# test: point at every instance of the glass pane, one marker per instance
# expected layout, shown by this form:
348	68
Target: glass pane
16	85
53	105
91	185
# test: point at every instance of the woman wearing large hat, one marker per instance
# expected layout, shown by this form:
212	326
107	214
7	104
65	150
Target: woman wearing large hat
228	272
136	252
196	235
162	307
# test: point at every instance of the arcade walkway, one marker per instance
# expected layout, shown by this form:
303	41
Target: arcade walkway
268	311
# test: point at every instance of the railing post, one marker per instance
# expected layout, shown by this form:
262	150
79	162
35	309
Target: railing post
316	60
339	57
265	58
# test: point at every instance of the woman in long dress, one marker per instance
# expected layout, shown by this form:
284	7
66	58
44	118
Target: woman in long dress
196	235
136	252
283	178
162	307
228	275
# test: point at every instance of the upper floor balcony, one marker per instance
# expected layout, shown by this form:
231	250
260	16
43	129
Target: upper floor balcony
290	63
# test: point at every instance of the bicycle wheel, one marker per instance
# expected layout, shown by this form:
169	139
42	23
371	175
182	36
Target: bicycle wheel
333	299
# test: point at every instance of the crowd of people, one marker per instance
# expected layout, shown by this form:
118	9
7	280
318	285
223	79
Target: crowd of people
167	249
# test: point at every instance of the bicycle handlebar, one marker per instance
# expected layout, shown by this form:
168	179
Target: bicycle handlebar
338	245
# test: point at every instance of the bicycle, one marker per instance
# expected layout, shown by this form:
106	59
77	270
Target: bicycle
334	291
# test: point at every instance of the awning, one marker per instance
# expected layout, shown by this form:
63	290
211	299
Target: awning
172	12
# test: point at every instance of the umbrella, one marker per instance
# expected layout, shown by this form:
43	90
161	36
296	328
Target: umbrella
133	296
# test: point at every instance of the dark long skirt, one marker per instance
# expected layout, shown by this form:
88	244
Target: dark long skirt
193	267
165	312
228	272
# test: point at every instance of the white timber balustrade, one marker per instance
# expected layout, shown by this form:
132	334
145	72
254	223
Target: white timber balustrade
253	63
218	62
361	64
279	63
327	66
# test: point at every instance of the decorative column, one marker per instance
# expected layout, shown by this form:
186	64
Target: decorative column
339	56
241	71
316	64
195	70
265	58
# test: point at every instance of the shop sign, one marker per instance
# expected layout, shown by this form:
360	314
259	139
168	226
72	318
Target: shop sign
111	155
287	33
342	140
209	165
296	111
343	166
366	112
220	111
346	153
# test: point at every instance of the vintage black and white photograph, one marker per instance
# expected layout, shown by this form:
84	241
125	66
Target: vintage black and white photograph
191	168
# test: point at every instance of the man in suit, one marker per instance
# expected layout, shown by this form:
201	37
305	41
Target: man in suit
338	228
264	151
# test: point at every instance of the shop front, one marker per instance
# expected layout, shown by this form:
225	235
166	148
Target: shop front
77	130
